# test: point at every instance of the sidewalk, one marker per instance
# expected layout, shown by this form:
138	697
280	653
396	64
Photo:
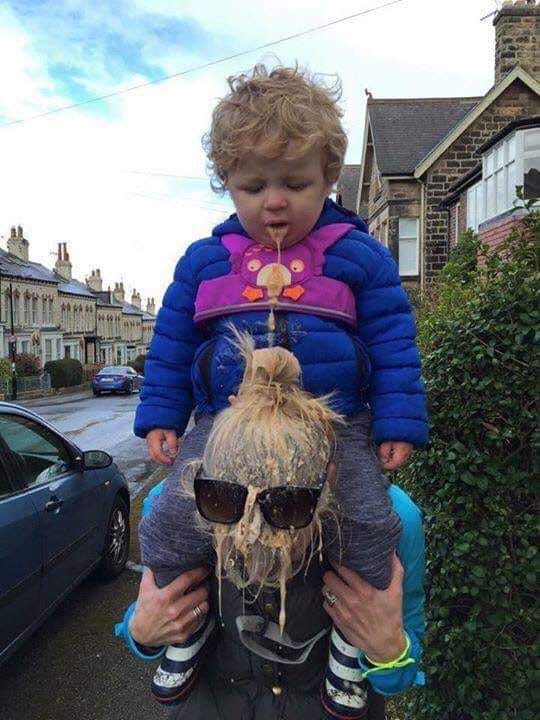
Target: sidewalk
60	399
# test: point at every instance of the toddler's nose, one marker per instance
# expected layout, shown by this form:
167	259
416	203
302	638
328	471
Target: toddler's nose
274	200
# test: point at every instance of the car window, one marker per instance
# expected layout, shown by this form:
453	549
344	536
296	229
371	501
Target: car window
5	486
38	454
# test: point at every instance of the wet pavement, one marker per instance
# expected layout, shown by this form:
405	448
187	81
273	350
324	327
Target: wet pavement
100	423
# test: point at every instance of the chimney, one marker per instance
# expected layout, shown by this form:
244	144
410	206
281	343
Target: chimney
517	29
94	282
136	299
63	265
118	293
151	306
17	244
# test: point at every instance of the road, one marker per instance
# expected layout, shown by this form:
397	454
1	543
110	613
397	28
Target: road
73	666
100	423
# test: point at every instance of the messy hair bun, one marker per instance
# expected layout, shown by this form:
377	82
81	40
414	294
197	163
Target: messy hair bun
284	430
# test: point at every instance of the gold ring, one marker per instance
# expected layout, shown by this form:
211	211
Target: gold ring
329	596
197	612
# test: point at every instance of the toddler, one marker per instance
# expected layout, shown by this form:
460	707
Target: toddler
292	269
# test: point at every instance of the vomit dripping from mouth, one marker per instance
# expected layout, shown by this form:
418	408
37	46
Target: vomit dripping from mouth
275	285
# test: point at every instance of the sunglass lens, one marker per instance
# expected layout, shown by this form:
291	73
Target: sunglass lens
220	501
284	507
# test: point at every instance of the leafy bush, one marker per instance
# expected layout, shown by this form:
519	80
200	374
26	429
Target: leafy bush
65	372
5	368
474	483
27	365
138	364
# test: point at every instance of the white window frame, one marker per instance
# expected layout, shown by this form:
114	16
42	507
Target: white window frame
475	194
408	272
490	170
524	154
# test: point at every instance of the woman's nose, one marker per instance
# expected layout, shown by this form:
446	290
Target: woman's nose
275	200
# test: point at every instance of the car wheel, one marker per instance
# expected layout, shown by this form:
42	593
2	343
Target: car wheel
96	393
116	549
129	389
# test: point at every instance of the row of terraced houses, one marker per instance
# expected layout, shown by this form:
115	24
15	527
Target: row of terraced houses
52	315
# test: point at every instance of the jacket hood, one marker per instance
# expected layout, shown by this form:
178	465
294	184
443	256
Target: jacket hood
331	213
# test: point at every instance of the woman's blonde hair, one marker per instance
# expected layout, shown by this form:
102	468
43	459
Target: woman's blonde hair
274	433
266	110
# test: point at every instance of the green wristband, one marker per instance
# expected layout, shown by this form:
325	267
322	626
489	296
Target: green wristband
399	662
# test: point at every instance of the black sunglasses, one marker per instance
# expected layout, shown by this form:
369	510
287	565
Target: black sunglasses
283	507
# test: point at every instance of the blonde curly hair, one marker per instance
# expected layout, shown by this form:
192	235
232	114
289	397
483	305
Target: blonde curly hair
267	109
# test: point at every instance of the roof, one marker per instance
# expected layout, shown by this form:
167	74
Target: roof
517	74
148	316
105	299
73	287
405	130
129	309
25	270
348	184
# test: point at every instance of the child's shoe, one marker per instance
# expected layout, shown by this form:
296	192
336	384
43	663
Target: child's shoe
178	669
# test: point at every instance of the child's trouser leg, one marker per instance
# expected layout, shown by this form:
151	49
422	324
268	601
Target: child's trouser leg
370	529
172	543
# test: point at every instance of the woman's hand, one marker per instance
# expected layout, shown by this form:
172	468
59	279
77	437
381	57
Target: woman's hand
394	453
165	615
370	619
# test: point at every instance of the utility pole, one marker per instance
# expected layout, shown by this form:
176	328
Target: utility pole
12	347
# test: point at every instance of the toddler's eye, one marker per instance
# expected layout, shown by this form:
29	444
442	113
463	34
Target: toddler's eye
297	266
302	186
254	265
254	189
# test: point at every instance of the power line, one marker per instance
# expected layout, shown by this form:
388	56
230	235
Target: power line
201	67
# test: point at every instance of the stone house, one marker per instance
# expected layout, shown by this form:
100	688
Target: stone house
77	312
55	315
431	167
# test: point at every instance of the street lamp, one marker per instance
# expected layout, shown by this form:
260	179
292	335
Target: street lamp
12	347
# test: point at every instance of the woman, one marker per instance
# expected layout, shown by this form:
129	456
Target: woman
263	488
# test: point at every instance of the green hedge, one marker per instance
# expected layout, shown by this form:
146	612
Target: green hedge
475	484
5	368
64	373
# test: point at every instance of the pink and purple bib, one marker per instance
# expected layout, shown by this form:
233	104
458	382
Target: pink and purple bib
304	288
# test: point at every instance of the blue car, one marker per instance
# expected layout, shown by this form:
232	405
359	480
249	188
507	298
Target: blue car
63	514
117	378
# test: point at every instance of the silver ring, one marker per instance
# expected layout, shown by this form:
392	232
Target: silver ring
197	612
329	596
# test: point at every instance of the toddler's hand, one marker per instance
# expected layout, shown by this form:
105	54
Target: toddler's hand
394	453
155	442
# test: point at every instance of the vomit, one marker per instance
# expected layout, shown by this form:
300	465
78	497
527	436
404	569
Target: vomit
275	282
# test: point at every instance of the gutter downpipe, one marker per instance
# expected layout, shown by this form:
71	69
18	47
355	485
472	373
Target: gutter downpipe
422	234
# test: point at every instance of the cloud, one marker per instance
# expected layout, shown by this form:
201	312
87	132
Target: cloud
89	48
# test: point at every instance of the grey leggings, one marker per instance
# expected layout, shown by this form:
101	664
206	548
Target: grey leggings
171	542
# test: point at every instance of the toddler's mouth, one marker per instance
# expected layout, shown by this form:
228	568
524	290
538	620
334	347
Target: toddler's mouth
277	231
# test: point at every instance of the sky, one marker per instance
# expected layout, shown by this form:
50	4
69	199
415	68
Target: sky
123	181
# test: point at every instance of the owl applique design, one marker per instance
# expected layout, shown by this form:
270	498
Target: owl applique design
260	279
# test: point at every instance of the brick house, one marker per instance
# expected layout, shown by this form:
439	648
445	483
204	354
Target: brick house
431	167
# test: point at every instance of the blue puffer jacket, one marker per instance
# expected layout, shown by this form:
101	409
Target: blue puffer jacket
376	366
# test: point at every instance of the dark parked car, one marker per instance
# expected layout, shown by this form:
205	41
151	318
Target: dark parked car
63	514
117	378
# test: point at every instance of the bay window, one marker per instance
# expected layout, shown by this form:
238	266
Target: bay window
515	161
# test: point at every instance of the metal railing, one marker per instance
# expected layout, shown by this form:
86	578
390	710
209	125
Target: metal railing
25	384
